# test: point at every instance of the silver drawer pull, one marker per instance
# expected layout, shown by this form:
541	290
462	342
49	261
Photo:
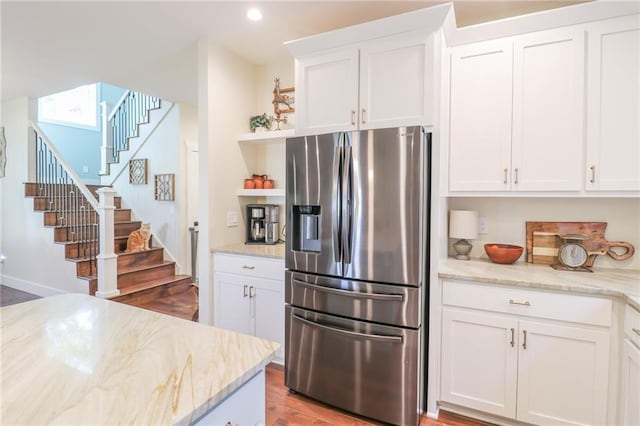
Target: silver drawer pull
513	302
377	337
248	267
356	294
636	330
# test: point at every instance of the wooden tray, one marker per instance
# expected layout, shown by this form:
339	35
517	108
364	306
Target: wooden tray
543	244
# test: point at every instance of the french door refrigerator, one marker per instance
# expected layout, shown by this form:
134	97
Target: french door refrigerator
356	259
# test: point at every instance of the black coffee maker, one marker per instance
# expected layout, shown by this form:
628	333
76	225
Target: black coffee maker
262	224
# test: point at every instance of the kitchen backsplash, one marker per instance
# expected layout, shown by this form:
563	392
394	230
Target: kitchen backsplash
506	219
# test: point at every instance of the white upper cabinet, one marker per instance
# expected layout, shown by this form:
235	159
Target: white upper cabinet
548	100
396	83
516	114
480	117
327	92
613	136
383	83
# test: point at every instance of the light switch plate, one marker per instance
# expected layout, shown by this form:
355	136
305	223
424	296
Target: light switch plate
85	169
233	218
483	225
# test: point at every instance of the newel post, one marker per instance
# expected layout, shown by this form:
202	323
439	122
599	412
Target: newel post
106	150
107	259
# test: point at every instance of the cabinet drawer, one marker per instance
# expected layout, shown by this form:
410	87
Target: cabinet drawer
540	304
632	325
251	266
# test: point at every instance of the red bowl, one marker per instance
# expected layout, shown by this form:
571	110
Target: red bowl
503	253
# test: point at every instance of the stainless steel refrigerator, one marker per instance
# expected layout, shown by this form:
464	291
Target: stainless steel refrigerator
356	259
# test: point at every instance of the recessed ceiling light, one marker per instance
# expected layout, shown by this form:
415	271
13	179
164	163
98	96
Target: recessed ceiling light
254	14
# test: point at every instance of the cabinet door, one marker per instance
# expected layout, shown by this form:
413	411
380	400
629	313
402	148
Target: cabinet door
562	374
548	107
479	361
630	408
480	117
327	92
396	82
613	150
231	299
245	406
268	312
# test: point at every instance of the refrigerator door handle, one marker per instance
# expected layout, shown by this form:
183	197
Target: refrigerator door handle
347	192
336	203
375	337
355	294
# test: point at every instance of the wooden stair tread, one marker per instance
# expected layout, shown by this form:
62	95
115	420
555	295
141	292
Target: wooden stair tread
137	268
139	252
152	284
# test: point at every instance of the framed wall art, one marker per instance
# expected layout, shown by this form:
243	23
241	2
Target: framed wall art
138	171
164	187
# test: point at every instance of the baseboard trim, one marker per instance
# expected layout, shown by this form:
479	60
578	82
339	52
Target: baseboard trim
433	415
29	287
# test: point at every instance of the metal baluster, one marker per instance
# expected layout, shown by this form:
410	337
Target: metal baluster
49	174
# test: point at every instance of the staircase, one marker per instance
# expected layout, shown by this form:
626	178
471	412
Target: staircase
71	209
145	279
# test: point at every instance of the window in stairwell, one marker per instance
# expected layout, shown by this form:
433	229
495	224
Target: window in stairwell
76	107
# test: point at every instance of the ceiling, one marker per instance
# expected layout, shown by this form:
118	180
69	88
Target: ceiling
50	46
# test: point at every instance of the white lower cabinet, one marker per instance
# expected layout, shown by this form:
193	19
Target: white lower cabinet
479	364
502	354
630	383
249	296
245	406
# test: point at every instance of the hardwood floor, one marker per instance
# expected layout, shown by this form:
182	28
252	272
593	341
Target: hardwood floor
284	408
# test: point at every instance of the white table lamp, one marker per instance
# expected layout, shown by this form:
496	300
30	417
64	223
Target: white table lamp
463	224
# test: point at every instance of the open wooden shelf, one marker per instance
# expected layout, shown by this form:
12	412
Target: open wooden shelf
278	192
274	136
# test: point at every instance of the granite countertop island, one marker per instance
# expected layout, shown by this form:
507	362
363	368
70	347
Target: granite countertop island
274	251
78	359
623	283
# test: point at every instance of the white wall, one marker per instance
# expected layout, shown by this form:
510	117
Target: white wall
33	263
226	87
165	154
507	217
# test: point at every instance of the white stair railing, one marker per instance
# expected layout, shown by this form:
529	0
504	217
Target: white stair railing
87	222
122	124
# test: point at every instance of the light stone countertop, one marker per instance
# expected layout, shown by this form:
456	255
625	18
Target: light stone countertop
78	359
275	251
623	283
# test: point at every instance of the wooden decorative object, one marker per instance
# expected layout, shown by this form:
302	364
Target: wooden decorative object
543	243
165	187
138	171
281	99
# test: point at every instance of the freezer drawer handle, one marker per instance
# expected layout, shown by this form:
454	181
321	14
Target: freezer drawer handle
376	337
525	303
356	294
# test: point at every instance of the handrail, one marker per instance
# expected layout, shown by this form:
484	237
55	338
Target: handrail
74	207
72	174
124	121
118	104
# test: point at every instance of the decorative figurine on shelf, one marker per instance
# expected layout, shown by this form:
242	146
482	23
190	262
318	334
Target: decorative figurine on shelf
280	99
259	122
